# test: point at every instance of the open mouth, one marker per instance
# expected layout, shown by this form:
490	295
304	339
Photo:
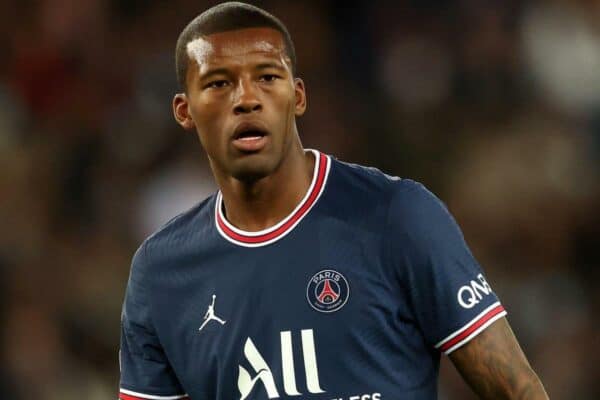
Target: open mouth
250	137
251	134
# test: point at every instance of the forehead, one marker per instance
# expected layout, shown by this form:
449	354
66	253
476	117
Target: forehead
236	46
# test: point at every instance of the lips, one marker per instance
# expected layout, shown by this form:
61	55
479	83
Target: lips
249	129
250	137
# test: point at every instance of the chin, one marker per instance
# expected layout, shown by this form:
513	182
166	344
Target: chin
251	169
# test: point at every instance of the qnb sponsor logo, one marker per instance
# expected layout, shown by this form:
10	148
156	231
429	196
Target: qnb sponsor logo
471	294
264	375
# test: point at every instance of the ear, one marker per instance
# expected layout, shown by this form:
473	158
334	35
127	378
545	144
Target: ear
300	92
182	112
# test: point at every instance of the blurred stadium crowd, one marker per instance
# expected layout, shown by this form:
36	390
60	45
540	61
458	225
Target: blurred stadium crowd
493	104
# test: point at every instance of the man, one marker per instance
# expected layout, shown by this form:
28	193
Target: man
335	281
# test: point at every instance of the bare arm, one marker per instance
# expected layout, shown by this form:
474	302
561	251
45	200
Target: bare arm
495	367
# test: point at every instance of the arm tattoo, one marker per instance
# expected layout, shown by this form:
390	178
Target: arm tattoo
495	367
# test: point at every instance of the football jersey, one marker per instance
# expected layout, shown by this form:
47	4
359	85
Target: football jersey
353	296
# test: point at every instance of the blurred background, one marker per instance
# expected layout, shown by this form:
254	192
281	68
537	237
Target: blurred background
494	105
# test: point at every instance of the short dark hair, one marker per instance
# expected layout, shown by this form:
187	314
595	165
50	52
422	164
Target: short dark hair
227	17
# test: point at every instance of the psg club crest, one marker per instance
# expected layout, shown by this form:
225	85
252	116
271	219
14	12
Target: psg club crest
327	291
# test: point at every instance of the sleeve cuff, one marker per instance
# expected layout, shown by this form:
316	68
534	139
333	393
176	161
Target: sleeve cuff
125	394
471	329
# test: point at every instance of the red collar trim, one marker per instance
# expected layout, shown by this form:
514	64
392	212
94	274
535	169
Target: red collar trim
274	233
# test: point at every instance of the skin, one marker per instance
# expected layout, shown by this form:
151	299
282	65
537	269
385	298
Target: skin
495	367
245	75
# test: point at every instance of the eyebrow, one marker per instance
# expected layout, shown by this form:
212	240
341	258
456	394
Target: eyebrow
212	72
224	71
267	65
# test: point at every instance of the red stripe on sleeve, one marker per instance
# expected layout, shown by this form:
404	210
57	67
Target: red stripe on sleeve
472	328
123	396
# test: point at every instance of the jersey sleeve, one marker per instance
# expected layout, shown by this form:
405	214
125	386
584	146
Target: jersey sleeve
451	300
145	369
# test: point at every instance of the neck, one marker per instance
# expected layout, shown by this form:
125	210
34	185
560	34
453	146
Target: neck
261	204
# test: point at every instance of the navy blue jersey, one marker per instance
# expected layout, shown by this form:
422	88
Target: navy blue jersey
353	296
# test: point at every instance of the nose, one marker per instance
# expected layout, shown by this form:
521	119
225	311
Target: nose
247	100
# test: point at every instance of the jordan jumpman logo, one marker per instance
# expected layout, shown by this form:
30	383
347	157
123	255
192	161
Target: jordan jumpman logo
210	314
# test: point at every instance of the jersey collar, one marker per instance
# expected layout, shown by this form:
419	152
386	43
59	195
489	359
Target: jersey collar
285	226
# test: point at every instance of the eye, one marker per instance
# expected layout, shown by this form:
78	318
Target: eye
217	84
268	78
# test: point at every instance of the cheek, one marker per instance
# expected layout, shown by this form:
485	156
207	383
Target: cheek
208	116
285	101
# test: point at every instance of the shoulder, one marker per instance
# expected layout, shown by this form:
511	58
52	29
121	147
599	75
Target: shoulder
366	193
399	195
412	202
415	211
361	186
357	196
418	222
175	236
364	177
